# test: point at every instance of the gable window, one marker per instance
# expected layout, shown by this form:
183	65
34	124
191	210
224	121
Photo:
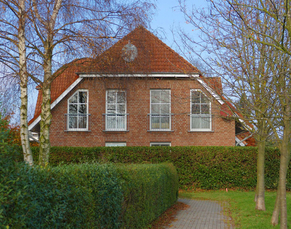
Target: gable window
115	110
160	116
77	118
200	117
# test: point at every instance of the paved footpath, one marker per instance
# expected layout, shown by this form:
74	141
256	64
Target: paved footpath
202	214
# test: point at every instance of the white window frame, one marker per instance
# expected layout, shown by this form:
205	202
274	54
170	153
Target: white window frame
191	115
125	114
87	113
170	118
160	144
115	144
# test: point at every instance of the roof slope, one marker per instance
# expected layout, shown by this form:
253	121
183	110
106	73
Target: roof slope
153	56
65	76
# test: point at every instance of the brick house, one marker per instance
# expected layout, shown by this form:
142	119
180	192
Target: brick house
139	92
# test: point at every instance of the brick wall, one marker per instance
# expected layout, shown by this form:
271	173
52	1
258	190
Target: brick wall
138	108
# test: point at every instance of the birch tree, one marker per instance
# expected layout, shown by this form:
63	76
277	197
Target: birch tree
66	27
266	25
13	50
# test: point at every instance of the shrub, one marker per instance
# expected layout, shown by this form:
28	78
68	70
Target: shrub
149	191
74	196
203	167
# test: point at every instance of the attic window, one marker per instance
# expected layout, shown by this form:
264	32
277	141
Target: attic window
129	52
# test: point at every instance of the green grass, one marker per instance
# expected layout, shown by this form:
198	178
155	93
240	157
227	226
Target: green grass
240	206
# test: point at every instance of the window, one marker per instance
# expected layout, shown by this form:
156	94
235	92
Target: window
114	144
78	111
200	117
160	143
115	110
160	116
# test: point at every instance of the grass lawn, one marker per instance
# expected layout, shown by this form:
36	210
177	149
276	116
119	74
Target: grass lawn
240	206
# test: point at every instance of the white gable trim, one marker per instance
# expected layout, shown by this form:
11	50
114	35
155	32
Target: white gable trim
239	142
37	120
210	90
159	75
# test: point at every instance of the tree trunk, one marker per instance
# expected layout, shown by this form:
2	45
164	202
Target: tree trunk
260	188
45	127
281	205
46	116
23	86
276	212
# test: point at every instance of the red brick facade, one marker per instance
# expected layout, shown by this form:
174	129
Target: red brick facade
138	107
136	64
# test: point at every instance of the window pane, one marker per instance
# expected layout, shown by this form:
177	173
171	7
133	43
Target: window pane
165	122
195	108
121	109
83	109
82	122
195	96
165	108
155	96
204	99
155	109
196	122
204	109
205	123
155	121
111	122
73	109
72	122
165	96
111	109
110	144
73	99
111	97
120	122
121	97
82	97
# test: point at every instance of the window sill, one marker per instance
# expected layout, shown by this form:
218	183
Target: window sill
115	131
199	131
157	131
77	130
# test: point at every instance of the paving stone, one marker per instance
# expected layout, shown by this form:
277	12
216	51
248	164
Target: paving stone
202	214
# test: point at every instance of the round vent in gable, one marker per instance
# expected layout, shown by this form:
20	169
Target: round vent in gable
129	52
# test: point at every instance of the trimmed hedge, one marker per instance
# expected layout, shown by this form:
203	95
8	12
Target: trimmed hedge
149	191
212	167
85	195
73	196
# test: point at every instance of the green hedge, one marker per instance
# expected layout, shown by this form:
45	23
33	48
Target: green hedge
198	167
73	196
84	195
149	191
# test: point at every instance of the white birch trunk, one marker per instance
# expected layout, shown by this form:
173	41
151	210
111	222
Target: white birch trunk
23	86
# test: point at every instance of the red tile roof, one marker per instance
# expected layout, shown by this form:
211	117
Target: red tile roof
65	76
153	56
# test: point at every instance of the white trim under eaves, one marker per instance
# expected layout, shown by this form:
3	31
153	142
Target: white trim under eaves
37	120
212	92
159	75
243	122
239	142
